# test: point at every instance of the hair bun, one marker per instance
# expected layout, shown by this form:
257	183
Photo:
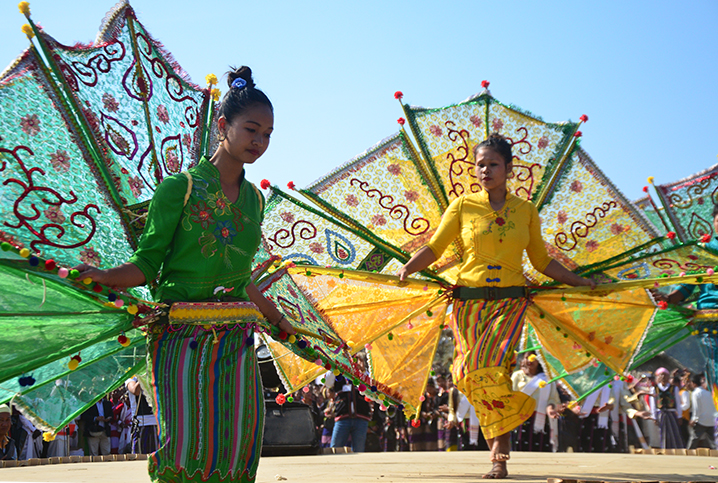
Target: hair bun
243	72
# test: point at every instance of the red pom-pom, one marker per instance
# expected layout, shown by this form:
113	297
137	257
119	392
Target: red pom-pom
327	366
584	118
283	335
645	189
398	95
415	422
577	134
671	235
629	378
77	358
485	84
97	288
401	121
706	238
367	399
122	339
265	184
291	185
662	304
50	264
280	399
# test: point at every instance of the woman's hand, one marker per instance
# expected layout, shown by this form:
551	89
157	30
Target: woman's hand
286	326
94	273
551	412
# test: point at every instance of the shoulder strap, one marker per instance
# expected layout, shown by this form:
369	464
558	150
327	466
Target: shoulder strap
189	187
260	198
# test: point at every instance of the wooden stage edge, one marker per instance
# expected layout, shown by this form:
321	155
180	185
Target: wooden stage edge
430	467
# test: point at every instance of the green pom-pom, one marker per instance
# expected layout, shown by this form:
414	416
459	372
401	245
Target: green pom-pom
699	279
563	298
341	275
558	329
308	273
5	246
429	313
442	326
610	386
542	316
664	275
324	380
605	373
390	336
74	273
432	373
290	399
565	336
588	354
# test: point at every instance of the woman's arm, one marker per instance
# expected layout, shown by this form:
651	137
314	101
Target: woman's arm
126	275
561	274
420	261
269	310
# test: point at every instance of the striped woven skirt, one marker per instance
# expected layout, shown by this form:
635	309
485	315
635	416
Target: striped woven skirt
486	333
209	402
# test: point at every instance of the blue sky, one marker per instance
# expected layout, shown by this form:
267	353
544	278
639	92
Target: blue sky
646	73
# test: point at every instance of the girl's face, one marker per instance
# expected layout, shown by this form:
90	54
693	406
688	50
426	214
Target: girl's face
246	138
490	169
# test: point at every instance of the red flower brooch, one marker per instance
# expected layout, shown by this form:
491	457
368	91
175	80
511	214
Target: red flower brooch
706	238
671	235
577	134
500	221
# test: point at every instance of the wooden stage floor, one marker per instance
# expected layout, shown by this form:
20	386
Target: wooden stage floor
434	467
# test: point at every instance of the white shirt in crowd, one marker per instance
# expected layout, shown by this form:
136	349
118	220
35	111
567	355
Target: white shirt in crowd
703	410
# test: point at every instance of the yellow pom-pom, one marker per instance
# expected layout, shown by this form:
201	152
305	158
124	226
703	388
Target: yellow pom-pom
72	365
27	30
292	339
46	436
216	93
542	384
336	372
87	280
571	404
532	357
24	8
650	180
24	253
211	79
132	309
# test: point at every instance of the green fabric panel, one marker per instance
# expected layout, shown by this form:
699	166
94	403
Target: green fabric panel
57	369
52	406
36	333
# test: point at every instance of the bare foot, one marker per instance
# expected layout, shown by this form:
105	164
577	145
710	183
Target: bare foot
501	448
498	471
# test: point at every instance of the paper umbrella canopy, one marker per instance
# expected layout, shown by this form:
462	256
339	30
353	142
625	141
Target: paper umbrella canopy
89	131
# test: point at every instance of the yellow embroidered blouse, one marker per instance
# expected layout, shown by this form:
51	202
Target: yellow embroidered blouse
493	241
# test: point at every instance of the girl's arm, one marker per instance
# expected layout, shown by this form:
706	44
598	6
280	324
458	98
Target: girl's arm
269	310
421	260
561	274
126	275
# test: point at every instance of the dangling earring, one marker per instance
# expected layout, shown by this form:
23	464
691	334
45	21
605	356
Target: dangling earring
222	136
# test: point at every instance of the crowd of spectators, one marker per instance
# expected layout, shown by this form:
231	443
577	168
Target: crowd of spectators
659	410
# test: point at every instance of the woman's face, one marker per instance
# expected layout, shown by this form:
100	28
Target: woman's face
246	138
530	368
490	169
662	378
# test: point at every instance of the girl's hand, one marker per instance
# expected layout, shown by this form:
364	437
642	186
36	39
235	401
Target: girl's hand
97	275
286	326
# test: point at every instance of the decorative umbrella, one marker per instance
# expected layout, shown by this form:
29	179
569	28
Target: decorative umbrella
366	217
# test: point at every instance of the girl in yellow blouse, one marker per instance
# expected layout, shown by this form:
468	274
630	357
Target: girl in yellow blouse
495	227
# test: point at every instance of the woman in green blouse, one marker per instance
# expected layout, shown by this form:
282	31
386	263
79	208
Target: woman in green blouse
202	231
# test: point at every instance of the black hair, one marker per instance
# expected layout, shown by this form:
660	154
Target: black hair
238	100
499	144
697	379
715	211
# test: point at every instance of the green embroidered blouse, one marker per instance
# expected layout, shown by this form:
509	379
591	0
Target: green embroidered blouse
208	242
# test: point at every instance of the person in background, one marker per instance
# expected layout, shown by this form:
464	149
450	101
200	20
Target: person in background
667	409
97	419
8	450
686	386
352	412
702	424
145	432
540	432
328	411
424	435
